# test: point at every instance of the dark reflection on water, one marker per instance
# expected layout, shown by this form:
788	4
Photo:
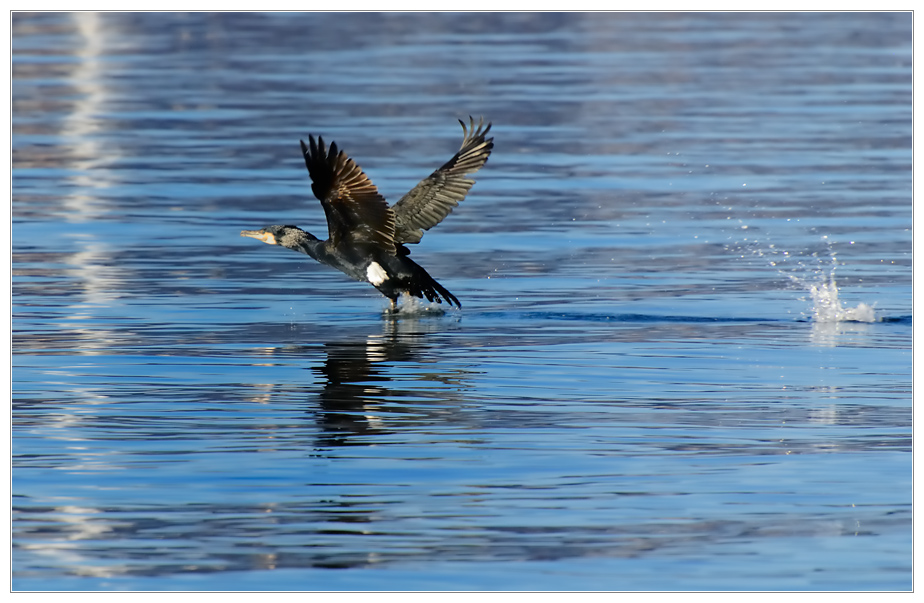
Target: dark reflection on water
638	393
360	398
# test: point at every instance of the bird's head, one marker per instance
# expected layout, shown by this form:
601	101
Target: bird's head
271	234
287	236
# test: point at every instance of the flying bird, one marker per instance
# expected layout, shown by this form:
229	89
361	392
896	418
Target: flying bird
367	237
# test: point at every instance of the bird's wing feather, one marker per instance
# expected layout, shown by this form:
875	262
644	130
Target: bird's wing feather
433	198
355	210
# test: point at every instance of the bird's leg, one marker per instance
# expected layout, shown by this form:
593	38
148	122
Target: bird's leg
394	305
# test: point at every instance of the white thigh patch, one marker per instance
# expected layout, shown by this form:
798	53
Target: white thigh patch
376	274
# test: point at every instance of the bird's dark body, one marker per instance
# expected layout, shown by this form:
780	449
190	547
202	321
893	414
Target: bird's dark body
407	276
367	236
403	275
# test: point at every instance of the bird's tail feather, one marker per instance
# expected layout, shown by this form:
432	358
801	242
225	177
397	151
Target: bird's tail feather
426	286
438	288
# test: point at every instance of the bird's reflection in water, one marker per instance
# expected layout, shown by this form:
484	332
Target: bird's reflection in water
361	395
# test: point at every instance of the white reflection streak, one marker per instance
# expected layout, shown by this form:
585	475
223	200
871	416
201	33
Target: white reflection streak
93	267
79	126
81	525
836	334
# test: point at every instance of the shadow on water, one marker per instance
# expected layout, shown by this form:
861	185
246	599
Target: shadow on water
629	318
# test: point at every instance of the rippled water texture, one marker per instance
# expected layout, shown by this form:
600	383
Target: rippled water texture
683	359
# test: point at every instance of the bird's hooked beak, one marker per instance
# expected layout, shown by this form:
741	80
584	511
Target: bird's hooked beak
260	235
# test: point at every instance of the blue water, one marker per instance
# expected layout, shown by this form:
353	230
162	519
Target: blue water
653	383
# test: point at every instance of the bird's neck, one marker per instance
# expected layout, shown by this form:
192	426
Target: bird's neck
297	239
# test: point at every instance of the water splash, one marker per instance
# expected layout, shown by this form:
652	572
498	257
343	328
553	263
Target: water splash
827	307
409	306
815	274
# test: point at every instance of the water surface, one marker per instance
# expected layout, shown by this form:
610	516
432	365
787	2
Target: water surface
652	383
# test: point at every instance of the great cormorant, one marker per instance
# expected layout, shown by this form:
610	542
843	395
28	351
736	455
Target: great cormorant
366	236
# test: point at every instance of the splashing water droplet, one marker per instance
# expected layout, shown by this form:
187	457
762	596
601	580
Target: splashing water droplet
815	276
409	306
827	306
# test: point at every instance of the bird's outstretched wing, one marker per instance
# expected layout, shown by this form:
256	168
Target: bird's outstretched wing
355	210
433	198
